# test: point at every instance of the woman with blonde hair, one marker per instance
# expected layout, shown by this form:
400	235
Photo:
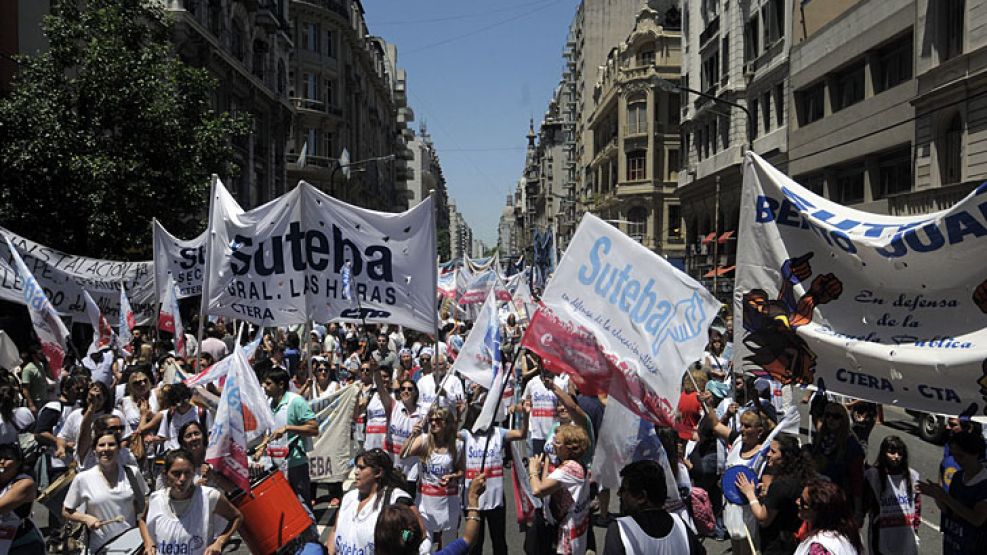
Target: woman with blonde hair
442	469
739	520
566	487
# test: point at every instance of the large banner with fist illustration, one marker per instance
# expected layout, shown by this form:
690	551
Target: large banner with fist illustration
884	308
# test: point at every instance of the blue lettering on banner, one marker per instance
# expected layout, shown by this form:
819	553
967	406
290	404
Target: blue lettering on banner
655	315
920	236
349	549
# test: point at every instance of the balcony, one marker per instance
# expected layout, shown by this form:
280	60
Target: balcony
307	105
710	32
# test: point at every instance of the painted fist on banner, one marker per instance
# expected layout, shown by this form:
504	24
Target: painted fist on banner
980	296
825	288
797	270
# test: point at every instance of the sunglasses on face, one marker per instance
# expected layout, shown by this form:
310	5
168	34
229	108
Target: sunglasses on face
434	420
139	382
406	389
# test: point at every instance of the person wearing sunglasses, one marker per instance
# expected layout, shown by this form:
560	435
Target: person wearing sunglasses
441	471
404	415
828	516
838	455
325	383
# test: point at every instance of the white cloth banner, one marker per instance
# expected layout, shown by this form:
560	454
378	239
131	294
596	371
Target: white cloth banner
610	296
63	277
185	259
884	308
479	358
281	263
330	459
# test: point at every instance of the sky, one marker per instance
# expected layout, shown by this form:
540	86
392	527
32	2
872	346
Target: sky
477	71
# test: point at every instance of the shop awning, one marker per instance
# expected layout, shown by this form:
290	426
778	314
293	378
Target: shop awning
710	237
725	237
722	270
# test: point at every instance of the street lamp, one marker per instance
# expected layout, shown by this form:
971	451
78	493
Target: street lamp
668	86
340	165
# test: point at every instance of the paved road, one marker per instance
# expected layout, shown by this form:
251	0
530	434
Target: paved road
924	457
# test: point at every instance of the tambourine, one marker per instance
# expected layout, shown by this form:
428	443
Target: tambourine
729	483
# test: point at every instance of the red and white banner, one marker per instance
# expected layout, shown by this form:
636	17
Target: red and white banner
170	318
127	321
616	311
481	284
102	332
446	287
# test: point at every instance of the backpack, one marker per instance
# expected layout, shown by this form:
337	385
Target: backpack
701	510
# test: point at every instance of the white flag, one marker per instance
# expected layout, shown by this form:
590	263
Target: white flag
50	329
127	321
102	332
302	157
170	318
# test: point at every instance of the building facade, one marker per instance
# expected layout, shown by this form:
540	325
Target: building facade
633	169
460	234
348	93
245	46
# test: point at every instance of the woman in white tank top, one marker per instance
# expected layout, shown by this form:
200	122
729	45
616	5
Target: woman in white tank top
182	517
440	475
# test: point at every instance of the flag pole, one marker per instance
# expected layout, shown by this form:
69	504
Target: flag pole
500	393
204	295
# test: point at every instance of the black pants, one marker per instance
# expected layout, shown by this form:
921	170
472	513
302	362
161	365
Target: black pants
496	518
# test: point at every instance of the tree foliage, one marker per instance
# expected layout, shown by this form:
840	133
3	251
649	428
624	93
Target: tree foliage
108	129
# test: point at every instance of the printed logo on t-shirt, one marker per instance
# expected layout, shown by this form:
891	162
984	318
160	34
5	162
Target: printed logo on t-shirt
180	548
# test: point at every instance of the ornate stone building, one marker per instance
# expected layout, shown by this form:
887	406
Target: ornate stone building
633	168
245	46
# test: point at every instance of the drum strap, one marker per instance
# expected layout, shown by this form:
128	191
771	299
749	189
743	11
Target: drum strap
139	502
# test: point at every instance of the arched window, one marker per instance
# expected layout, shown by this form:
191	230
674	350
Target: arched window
951	153
637	223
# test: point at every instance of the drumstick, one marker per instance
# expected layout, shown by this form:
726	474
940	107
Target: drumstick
59	483
750	541
259	451
114	520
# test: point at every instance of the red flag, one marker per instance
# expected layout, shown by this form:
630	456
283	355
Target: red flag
575	351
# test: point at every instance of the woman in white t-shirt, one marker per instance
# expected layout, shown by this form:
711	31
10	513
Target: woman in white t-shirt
182	518
14	419
375	486
403	415
138	401
566	487
109	497
325	383
829	515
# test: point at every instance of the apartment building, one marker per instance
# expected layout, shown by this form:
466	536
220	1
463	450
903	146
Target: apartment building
348	93
635	148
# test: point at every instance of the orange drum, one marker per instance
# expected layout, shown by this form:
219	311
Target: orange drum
272	514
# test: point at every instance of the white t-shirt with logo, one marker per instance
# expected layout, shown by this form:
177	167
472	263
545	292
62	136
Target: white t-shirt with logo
376	419
189	533
571	505
543	408
355	527
398	432
493	465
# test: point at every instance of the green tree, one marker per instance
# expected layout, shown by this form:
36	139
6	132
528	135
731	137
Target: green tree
107	129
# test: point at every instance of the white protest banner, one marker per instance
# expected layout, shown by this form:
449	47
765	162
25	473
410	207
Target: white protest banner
63	277
281	263
884	308
51	331
615	310
482	284
102	332
331	455
446	287
184	259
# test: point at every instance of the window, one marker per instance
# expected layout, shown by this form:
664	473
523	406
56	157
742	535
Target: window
310	86
311	141
724	127
773	16
310	36
849	88
282	79
780	105
674	222
637	223
725	49
328	145
811	104
894	175
951	154
953	12
330	93
894	65
236	41
711	71
637	116
750	39
766	111
753	122
330	45
637	165
813	183
850	187
673	164
674	109
646	58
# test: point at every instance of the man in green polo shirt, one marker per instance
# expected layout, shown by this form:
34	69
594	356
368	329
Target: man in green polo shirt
34	385
294	421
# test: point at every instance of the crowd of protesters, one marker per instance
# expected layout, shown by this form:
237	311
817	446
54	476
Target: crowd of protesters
118	446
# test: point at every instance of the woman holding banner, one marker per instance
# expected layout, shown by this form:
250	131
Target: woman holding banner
566	489
404	416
